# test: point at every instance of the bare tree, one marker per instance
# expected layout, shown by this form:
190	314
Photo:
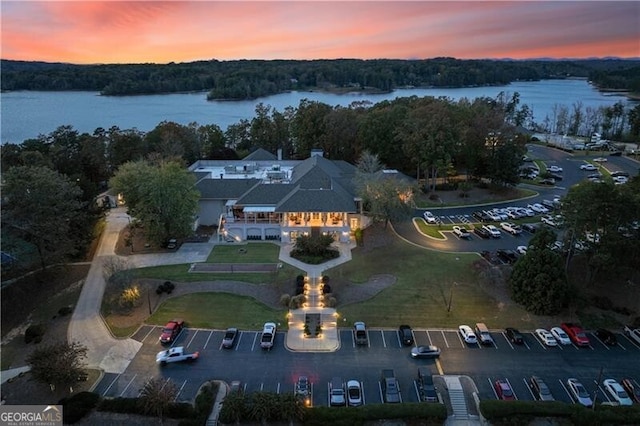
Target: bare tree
156	396
58	364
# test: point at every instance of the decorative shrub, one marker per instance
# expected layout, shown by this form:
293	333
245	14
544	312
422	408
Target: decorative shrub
77	406
34	333
285	299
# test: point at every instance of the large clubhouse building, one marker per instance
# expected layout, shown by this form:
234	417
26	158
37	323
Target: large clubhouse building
263	197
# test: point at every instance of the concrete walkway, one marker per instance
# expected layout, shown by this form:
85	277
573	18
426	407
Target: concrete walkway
87	325
329	340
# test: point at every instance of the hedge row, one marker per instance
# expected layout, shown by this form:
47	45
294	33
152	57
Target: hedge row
523	412
81	404
353	416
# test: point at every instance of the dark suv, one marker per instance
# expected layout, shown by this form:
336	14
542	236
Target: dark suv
540	389
514	336
390	387
427	389
406	336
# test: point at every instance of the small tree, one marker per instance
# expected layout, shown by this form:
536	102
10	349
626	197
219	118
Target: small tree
538	281
157	395
58	364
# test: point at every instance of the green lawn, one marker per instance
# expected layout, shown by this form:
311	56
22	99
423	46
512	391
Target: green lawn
426	281
217	310
421	295
252	253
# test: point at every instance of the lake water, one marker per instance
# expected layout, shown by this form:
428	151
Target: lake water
28	114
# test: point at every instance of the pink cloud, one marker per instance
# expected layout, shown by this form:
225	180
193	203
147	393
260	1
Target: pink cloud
159	31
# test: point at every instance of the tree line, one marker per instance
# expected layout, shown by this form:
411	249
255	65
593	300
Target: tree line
250	79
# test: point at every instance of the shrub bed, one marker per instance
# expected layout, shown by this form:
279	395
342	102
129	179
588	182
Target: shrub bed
77	406
524	412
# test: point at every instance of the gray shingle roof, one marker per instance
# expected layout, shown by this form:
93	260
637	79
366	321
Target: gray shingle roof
224	189
265	195
317	200
260	155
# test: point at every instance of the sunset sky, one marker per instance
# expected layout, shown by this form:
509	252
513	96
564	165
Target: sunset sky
182	31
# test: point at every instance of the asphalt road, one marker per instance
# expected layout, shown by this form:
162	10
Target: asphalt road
572	174
277	370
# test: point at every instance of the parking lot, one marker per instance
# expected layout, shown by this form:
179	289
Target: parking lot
277	370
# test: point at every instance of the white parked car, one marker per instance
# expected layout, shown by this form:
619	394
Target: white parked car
588	167
620	179
548	220
525	211
493	215
511	228
467	334
554	169
429	217
522	250
495	232
538	208
461	232
560	336
354	393
579	392
617	392
600	160
592	238
546	337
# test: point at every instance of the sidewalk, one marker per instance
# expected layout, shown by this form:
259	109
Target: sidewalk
87	325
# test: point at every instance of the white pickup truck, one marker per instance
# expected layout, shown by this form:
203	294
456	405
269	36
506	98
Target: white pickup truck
632	333
175	355
268	335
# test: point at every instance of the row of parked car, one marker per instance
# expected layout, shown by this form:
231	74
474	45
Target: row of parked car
624	393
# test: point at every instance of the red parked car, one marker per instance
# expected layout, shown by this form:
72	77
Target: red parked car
575	333
171	331
504	391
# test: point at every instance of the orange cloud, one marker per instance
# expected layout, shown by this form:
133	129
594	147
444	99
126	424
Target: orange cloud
164	31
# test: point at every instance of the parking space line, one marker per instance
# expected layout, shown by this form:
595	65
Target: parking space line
414	338
261	386
207	341
538	340
526	383
505	338
460	340
111	384
362	389
566	391
238	342
631	341
439	367
446	342
253	345
278	388
128	384
512	389
191	341
180	391
147	335
623	348
601	389
601	342
380	390
383	341
398	337
429	337
493	388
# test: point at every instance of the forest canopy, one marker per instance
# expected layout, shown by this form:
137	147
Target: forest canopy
250	79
